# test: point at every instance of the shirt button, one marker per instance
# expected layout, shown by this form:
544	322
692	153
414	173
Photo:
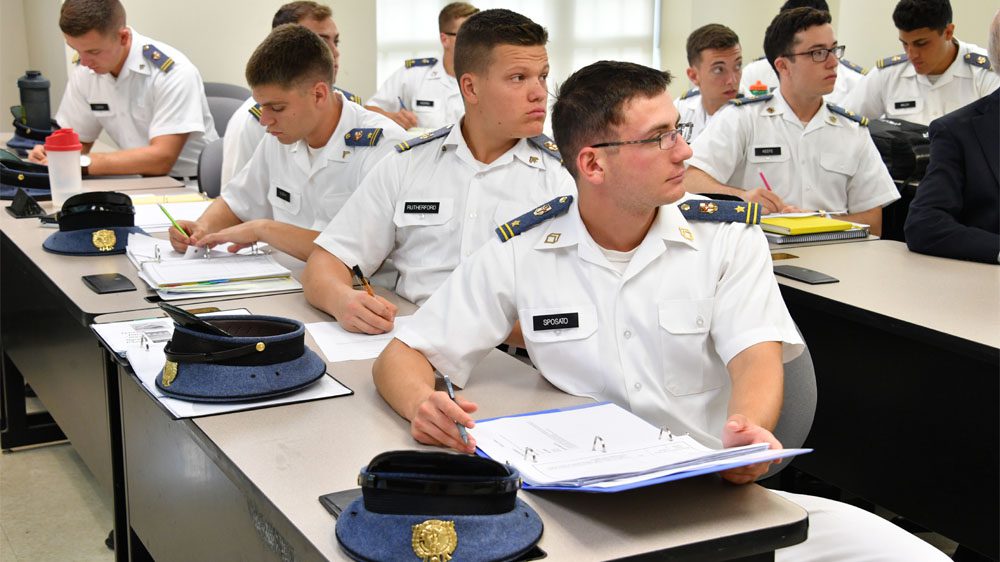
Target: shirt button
637	386
472	215
700	321
627	334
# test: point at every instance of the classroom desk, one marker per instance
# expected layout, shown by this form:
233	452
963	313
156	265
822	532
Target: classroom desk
906	353
245	485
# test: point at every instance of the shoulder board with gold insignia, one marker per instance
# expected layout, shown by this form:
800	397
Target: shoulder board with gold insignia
855	67
690	93
890	61
750	100
534	217
424	138
976	59
349	95
363	137
429	61
255	111
720	211
547	145
155	56
859	119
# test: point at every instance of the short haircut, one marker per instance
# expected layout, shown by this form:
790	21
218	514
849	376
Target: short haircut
294	12
487	29
591	103
779	39
454	11
815	4
910	15
79	17
290	57
711	36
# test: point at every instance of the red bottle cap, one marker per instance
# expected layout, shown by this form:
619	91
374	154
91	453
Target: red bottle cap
63	140
759	88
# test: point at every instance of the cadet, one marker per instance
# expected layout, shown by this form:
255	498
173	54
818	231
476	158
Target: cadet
673	314
431	206
943	73
715	61
424	93
848	73
816	156
243	132
319	149
144	93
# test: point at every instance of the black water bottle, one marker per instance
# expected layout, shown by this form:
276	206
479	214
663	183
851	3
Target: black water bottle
35	99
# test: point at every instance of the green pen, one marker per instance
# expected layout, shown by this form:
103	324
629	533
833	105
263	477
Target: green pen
172	221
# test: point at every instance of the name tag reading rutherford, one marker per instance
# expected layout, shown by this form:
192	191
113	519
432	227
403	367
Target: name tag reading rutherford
560	321
422	207
906	104
767	151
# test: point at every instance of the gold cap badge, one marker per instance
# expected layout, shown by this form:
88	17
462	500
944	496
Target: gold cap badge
169	373
104	240
434	540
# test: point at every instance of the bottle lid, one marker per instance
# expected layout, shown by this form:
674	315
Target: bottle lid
759	88
63	140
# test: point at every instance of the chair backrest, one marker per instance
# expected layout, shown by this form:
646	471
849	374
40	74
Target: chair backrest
222	109
798	407
221	90
210	169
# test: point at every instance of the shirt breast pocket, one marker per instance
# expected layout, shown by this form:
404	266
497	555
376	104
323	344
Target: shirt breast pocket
426	226
427	105
685	327
563	344
102	111
284	199
838	164
768	152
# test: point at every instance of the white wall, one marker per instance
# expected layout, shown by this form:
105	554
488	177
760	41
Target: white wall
219	35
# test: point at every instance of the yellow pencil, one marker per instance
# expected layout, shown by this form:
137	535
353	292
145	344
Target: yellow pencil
172	221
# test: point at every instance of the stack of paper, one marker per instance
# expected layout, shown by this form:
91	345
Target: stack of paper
150	217
604	448
340	345
802	228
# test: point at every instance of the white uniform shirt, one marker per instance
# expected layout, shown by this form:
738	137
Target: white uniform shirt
654	340
831	163
848	77
465	199
428	91
280	183
143	102
898	92
691	110
243	134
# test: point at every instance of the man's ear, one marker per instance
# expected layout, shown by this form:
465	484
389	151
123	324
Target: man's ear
320	92
692	75
124	34
468	83
949	32
590	165
781	65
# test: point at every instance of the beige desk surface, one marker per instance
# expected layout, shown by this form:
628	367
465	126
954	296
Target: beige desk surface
65	271
951	296
291	455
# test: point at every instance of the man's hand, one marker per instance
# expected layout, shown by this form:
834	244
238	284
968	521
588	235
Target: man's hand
405	118
240	236
434	421
740	431
358	312
769	201
181	241
38	155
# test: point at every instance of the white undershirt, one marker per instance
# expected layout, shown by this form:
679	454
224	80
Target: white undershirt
619	260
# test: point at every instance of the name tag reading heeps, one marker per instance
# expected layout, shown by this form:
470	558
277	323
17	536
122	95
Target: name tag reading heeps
559	321
767	151
422	207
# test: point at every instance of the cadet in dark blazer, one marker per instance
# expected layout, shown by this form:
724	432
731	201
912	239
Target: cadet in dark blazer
956	212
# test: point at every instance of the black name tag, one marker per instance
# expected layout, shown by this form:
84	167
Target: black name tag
99	107
282	194
905	104
556	321
767	151
430	208
425	103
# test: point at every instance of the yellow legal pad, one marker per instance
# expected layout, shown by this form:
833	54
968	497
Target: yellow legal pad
803	225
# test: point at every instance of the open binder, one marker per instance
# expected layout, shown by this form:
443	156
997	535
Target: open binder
604	448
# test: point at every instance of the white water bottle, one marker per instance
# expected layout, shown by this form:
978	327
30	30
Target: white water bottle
65	176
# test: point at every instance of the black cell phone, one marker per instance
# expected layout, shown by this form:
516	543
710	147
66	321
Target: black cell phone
810	276
108	283
188	320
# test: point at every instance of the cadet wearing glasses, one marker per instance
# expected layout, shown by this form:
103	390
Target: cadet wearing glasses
814	155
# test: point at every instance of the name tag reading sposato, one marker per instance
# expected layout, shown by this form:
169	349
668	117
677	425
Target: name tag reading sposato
422	207
556	321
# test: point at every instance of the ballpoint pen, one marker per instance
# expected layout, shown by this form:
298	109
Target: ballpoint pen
172	221
451	394
364	282
764	179
401	104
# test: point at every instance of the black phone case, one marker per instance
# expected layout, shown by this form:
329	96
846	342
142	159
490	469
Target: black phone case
103	283
803	274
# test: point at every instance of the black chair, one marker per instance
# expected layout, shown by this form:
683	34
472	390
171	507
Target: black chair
222	109
210	169
221	90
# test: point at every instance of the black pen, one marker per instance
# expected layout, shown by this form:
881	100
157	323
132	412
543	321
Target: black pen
451	394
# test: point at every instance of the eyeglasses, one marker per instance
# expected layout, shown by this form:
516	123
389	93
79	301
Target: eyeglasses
449	33
666	140
820	55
